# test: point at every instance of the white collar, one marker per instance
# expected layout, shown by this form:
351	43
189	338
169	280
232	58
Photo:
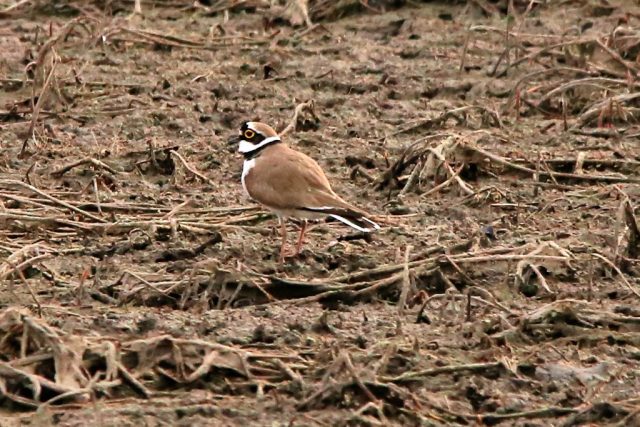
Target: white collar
247	147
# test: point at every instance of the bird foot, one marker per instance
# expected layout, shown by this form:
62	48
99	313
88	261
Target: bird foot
287	253
135	16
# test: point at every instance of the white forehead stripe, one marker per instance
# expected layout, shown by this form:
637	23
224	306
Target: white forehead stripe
247	147
252	126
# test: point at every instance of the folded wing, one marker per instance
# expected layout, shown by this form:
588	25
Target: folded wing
289	180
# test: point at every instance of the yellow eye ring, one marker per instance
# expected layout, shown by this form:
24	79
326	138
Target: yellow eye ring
249	134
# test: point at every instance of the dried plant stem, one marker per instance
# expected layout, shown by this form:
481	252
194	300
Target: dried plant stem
87	160
463	185
472	367
579	177
620	273
51	198
191	169
38	106
444	184
406	282
308	106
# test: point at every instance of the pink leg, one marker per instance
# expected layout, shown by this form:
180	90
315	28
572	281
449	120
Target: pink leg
303	228
283	234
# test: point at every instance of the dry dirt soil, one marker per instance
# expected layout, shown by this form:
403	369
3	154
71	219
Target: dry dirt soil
497	144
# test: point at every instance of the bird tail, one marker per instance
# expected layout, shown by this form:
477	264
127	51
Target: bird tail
350	217
359	222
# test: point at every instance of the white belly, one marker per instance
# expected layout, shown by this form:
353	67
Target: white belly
248	165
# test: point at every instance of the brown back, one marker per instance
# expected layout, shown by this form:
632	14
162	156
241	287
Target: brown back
283	178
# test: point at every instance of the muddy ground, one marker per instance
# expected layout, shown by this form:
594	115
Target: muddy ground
140	286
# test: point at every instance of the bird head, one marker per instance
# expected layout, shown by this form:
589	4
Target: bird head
253	136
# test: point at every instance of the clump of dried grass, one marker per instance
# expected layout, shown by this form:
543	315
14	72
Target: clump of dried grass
44	365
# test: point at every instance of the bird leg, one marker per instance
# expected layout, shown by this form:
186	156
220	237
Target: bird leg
303	228
137	10
283	234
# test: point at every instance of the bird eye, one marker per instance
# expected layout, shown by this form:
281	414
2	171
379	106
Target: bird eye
249	134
